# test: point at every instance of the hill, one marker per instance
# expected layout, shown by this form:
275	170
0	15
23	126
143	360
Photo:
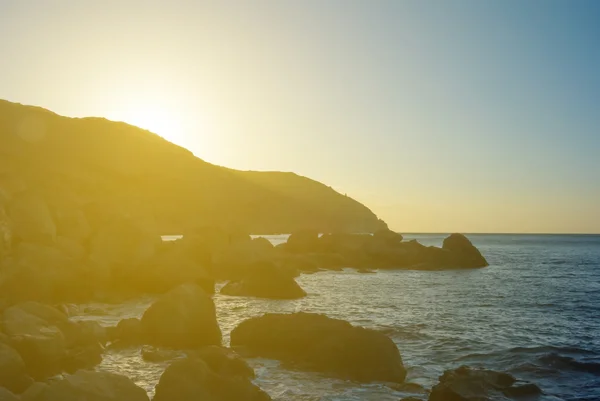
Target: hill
102	167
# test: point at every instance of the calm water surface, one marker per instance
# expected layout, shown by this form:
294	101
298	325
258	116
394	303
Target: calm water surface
535	312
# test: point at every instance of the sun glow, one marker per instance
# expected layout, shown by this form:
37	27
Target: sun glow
159	120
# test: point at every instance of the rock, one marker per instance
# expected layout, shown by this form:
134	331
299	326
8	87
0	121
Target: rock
236	261
463	253
92	386
265	281
82	357
303	241
13	373
6	395
72	223
91	332
224	361
127	332
388	236
328	261
124	243
184	317
31	218
300	263
70	248
172	266
319	343
411	399
34	391
191	379
5	233
469	384
33	332
153	354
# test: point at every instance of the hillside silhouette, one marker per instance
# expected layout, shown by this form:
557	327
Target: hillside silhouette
100	166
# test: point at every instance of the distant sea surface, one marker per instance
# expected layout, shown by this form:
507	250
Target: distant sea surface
534	312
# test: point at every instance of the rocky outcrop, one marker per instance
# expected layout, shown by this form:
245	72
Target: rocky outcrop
319	343
127	332
223	361
192	379
265	280
48	342
184	317
6	395
32	219
237	260
463	253
90	386
468	384
303	241
13	373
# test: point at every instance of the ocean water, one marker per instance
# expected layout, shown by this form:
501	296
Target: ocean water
534	312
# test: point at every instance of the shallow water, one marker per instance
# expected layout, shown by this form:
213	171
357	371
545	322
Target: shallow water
534	312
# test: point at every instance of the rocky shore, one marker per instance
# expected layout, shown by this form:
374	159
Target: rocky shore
51	258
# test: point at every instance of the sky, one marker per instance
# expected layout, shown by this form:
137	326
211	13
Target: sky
440	116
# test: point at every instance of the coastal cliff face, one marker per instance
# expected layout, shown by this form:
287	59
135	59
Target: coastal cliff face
92	167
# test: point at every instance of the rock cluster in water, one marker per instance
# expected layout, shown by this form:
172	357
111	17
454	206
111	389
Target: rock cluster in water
49	257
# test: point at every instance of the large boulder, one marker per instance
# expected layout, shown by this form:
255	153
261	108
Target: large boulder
32	219
237	260
266	280
185	317
33	331
124	243
13	373
463	253
319	343
173	266
468	384
388	236
48	341
127	332
223	361
192	379
303	241
90	386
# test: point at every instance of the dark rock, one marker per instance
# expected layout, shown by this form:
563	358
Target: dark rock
469	384
192	379
82	357
463	253
300	263
34	391
388	236
127	332
236	261
184	317
31	219
265	281
91	386
303	241
33	332
224	361
6	395
319	343
13	373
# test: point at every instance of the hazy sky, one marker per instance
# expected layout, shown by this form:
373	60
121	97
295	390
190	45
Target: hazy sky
473	116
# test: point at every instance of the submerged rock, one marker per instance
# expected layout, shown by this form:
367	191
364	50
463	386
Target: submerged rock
192	379
153	354
469	384
184	317
319	343
126	333
90	386
265	281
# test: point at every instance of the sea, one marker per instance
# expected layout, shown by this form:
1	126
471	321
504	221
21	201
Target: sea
534	312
